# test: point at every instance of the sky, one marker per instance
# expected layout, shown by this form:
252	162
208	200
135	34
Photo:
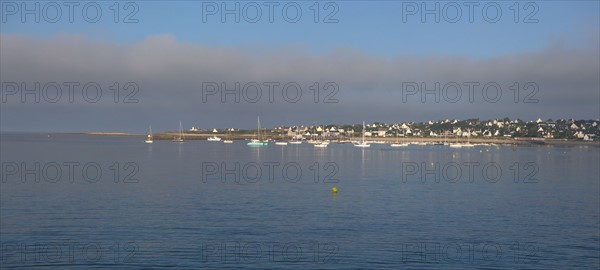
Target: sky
158	62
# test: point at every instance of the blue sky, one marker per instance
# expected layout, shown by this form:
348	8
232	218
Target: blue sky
375	27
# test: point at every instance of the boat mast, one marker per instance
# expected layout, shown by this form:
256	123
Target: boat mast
180	130
258	131
363	133
469	137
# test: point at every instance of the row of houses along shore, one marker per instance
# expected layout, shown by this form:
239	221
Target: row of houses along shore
585	130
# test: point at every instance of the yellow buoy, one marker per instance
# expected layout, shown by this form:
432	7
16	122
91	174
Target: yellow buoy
334	189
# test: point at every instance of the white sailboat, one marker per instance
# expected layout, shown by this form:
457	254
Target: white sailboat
397	143
362	143
421	142
227	137
149	138
456	144
257	141
321	144
296	140
282	142
442	143
468	144
179	139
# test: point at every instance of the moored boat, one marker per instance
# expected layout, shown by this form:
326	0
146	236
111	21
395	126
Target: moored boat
214	139
149	137
362	143
258	141
180	138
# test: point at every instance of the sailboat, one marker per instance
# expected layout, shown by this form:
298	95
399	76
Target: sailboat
321	142
257	141
456	144
283	142
362	143
179	139
149	138
397	143
442	143
296	140
468	144
421	142
446	141
227	137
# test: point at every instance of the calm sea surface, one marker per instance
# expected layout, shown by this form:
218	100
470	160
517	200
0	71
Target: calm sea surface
81	202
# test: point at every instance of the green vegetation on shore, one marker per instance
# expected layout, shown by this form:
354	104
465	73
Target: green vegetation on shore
496	130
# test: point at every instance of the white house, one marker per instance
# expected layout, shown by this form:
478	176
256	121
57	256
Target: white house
589	137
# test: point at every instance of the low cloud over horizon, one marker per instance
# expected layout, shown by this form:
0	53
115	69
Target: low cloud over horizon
556	82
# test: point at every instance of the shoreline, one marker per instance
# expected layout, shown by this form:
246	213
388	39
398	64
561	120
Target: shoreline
516	141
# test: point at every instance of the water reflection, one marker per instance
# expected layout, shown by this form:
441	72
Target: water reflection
171	207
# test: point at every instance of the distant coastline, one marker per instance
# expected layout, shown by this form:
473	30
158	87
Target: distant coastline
498	131
515	141
109	134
